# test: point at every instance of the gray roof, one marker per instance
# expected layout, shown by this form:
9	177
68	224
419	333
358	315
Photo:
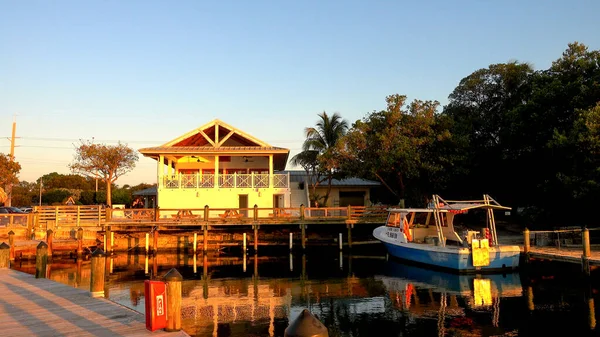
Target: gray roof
146	192
300	176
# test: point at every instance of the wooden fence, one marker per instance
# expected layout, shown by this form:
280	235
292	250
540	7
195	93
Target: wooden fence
51	217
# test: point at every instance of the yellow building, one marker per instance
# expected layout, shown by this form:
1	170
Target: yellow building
222	167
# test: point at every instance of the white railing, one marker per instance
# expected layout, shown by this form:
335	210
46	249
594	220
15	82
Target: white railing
226	181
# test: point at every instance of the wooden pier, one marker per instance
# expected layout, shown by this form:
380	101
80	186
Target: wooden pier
574	247
40	307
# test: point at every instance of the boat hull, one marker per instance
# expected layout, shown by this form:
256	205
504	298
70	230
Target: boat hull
458	259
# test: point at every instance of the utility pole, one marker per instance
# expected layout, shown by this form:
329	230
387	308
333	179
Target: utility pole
12	158
41	186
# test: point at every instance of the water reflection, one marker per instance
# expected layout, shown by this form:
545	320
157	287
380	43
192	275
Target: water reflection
351	295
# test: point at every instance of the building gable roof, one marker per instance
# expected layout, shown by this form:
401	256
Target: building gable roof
218	138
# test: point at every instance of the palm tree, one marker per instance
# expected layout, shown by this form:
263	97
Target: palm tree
319	148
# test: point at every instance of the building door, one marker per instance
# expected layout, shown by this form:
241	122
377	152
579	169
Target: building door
243	203
278	201
353	198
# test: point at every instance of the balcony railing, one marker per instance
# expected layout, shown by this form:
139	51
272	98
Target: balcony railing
226	181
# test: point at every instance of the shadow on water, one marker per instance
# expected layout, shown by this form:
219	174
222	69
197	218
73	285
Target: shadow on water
352	295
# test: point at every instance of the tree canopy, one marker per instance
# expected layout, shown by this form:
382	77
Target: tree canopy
396	146
105	162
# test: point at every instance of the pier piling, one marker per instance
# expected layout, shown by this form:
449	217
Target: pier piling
79	242
255	239
107	241
205	238
41	260
11	243
49	240
98	266
585	258
526	242
303	228
4	256
195	246
155	241
173	279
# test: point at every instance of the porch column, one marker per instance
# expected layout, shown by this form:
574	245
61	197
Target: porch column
160	170
169	169
216	171
270	171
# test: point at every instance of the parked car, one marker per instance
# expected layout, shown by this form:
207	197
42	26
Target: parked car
8	209
5	219
26	209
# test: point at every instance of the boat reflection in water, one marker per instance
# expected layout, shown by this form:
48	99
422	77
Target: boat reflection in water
449	297
351	295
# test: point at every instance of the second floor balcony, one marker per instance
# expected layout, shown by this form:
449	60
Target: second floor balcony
234	180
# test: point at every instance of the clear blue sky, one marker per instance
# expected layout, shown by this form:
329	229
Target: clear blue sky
145	72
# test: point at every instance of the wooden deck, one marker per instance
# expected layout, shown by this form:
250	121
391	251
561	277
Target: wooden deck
571	255
40	307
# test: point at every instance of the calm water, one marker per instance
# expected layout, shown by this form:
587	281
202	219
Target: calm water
354	296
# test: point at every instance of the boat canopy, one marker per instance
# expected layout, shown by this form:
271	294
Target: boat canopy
463	206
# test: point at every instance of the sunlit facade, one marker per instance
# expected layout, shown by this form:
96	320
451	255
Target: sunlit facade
220	166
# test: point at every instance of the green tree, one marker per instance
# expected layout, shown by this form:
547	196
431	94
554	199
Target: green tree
483	109
309	162
395	145
105	162
9	170
322	140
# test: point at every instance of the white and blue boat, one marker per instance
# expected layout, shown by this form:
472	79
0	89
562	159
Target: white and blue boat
427	236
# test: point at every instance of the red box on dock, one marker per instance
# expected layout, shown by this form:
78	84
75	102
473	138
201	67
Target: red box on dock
155	293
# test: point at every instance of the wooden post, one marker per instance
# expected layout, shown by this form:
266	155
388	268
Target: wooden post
78	215
303	228
255	239
107	242
255	214
4	256
99	215
157	214
147	246
585	258
205	276
244	244
11	243
349	212
206	212
340	240
205	238
49	239
195	243
302	212
80	242
98	266
349	236
526	242
35	225
41	260
291	240
591	307
530	304
155	241
173	279
108	214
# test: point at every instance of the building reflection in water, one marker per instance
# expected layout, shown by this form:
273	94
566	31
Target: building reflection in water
238	296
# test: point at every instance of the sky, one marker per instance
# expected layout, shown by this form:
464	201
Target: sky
145	72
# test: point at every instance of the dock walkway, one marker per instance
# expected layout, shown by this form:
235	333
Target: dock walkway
41	307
